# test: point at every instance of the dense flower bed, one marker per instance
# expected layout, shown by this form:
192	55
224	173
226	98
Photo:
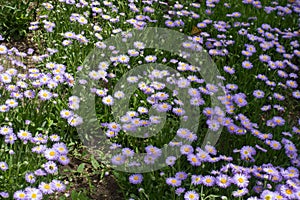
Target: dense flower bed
255	46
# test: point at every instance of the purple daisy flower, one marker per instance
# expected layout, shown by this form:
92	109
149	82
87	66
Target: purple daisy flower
150	58
179	191
186	149
223	181
208	181
45	95
196	179
264	58
136	179
178	111
240	180
181	175
258	94
50	167
240	100
51	154
193	159
240	192
191	195
174	182
46	188
213	124
24	135
33	193
162	107
19	195
247	64
30	177
279	121
3	166
171	160
63	159
58	186
154	151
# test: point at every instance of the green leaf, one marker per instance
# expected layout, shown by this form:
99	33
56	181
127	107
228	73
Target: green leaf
74	194
62	198
81	168
95	163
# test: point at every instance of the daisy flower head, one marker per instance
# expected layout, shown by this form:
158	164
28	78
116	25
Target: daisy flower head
3	166
61	148
179	191
82	20
210	149
279	121
247	152
29	94
183	83
208	180
44	95
133	52
181	175
19	195
213	124
296	94
34	194
240	180
5	78
174	182
150	58
24	135
5	130
186	149
178	111
229	70
3	49
127	152
240	100
142	110
54	138
154	151
240	192
193	159
46	188
4	195
247	64
63	160
58	185
119	94
118	159
208	112
183	132
51	154
258	94
10	138
139	45
287	192
75	120
123	59
191	195
66	113
223	181
171	160
150	159
108	100
196	179
202	155
162	107
136	179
